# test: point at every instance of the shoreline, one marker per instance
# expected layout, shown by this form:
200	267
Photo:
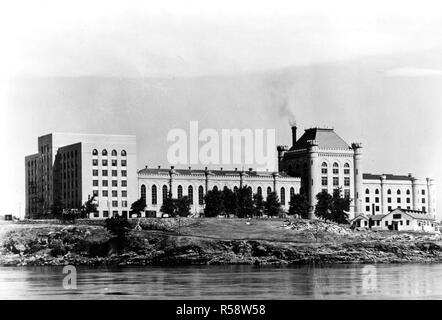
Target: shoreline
168	242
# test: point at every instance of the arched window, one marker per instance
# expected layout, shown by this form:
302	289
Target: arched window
95	152
376	191
164	192
190	194
324	169
408	191
269	190
123	153
114	153
259	191
143	193
346	168
104	152
154	194
367	191
200	195
389	191
398	191
215	188
335	168
180	192
283	196
292	193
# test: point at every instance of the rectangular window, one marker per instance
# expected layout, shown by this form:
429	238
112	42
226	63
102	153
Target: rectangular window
423	200
397	216
114	183
114	163
408	200
335	171
96	214
115	213
94	183
346	193
324	181
104	183
94	192
105	214
424	209
389	208
378	223
104	162
346	171
376	199
367	208
104	193
94	173
408	222
104	173
335	181
324	170
124	193
386	223
124	183
398	200
95	162
114	173
347	181
123	163
377	208
389	200
114	193
423	192
114	203
367	199
123	173
124	204
401	222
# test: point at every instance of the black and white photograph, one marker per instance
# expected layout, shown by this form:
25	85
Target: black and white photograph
197	151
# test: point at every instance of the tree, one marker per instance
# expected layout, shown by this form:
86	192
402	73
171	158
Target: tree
258	205
90	206
214	203
272	206
323	205
245	202
182	206
340	207
299	205
119	226
138	206
168	206
230	201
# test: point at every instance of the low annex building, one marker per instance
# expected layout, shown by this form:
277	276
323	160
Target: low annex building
398	219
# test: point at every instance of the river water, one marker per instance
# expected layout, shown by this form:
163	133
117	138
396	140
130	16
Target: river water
395	281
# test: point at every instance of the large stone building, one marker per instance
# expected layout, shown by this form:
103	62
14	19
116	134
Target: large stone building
72	168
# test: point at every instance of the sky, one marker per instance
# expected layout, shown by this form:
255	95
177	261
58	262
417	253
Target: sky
371	69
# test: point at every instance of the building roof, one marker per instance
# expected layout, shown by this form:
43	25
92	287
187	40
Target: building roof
416	214
326	139
248	173
376	217
370	176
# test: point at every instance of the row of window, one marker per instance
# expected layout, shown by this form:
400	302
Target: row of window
105	183
367	191
335	168
390	208
324	181
104	173
106	213
113	152
154	195
376	199
104	162
114	204
105	193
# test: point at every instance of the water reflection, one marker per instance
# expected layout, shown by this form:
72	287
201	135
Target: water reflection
414	281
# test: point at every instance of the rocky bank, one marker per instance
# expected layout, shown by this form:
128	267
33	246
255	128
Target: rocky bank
162	242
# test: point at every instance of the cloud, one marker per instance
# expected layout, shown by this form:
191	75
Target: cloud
413	72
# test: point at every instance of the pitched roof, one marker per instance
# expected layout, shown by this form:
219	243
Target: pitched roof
369	176
249	173
326	139
376	217
415	214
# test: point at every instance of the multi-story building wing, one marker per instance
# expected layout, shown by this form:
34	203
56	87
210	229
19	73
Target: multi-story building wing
71	168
